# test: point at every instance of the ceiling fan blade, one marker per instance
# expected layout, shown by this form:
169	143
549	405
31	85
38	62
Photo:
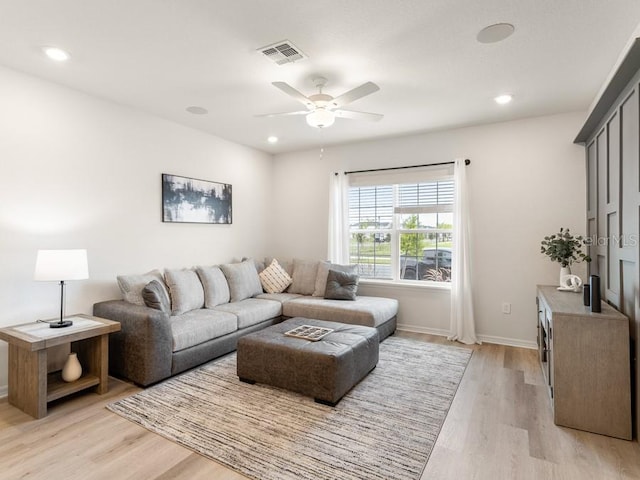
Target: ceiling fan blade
353	95
283	114
372	117
292	92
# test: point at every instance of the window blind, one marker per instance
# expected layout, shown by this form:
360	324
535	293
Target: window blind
371	207
430	197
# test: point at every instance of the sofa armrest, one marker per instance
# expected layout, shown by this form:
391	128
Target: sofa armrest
142	350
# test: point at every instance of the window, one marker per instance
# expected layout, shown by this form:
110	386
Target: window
402	231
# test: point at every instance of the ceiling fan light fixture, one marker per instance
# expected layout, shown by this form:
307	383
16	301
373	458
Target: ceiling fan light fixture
322	109
321	118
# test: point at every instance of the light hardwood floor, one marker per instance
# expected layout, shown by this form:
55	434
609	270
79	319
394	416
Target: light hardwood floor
499	427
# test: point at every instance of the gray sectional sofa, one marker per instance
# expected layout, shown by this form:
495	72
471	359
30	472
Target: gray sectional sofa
176	321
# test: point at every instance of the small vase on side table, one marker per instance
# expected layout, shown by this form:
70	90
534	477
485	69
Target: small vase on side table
72	369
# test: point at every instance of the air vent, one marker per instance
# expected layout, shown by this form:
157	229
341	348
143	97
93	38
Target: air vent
282	52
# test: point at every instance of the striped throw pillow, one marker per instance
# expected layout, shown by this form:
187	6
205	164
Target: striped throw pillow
274	278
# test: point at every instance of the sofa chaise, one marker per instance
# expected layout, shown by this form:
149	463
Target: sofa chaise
176	321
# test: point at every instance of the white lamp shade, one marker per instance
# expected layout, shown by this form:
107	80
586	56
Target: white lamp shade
321	118
61	265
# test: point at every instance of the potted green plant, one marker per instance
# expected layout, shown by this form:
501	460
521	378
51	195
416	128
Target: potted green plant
564	248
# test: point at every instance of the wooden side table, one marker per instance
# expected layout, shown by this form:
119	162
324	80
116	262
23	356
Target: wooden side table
30	386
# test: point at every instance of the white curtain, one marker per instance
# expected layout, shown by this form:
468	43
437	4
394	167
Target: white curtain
338	221
463	327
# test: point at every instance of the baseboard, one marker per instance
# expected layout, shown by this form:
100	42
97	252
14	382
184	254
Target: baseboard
4	391
429	331
510	342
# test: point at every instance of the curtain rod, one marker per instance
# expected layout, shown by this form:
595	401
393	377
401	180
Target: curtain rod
466	162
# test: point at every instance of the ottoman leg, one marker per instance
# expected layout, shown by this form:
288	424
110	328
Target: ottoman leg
246	380
326	402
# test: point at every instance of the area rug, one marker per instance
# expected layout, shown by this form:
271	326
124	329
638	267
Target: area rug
384	428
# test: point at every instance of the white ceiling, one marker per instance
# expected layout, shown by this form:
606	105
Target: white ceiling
162	56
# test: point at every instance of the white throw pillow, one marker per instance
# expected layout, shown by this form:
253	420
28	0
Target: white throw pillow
286	264
274	278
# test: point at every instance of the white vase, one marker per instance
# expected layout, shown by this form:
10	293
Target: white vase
563	272
72	369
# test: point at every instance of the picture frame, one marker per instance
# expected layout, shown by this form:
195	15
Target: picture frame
191	200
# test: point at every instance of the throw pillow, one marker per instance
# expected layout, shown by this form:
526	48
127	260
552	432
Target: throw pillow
155	296
304	276
243	280
274	278
185	290
286	264
323	272
216	288
341	285
131	285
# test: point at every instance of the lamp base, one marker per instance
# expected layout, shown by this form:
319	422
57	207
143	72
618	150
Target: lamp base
65	323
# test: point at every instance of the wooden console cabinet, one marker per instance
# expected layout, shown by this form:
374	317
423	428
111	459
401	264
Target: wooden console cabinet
586	364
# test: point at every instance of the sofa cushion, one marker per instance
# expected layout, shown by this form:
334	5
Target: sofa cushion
243	280
279	297
341	285
304	276
274	278
155	296
259	265
198	326
131	286
216	288
252	311
368	311
323	272
185	290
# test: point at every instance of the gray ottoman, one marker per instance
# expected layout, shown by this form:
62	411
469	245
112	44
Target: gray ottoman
325	369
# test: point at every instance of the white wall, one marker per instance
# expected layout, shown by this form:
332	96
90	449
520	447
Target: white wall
527	179
79	172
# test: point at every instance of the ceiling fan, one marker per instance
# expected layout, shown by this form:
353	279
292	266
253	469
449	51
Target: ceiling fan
322	109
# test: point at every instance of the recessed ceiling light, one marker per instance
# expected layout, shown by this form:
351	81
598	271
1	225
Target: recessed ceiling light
495	33
272	139
57	54
503	99
197	110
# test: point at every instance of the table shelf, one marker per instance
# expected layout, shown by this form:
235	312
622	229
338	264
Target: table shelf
58	388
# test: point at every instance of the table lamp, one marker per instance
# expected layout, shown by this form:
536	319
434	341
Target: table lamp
61	266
